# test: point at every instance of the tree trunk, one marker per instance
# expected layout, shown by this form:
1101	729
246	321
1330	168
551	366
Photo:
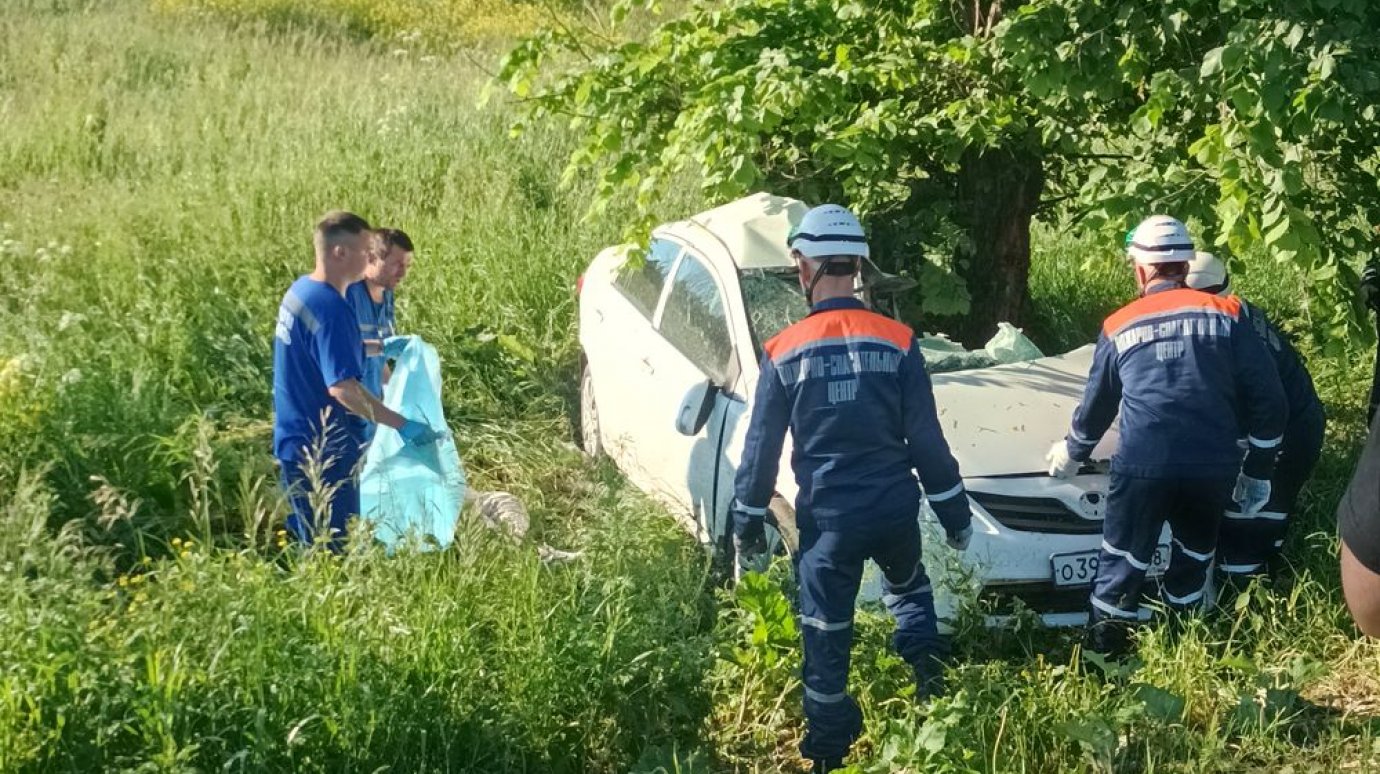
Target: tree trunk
998	193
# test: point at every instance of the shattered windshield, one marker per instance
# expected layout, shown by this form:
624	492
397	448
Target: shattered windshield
774	302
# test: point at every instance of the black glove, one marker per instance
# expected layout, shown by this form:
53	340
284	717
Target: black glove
749	542
954	514
1370	284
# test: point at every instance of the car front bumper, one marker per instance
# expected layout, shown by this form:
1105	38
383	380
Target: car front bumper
1006	569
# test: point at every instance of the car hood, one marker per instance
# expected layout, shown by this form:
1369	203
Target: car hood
1001	421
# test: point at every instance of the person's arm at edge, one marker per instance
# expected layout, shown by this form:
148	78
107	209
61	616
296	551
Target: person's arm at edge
359	401
1101	401
761	460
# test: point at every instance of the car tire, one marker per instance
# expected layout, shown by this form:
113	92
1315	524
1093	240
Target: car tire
782	535
590	440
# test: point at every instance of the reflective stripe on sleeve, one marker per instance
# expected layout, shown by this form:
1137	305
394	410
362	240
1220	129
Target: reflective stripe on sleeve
1267	443
739	505
947	495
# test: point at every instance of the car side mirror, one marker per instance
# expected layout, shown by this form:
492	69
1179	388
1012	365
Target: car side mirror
695	408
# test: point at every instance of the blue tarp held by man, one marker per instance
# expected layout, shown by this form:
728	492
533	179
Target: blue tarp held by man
408	490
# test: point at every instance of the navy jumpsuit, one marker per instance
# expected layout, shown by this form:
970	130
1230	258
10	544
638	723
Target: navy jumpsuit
851	387
1179	365
1247	543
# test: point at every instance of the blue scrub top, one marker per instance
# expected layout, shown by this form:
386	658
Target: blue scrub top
316	345
376	323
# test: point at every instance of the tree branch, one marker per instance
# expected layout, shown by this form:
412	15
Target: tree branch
1049	204
579	48
1110	156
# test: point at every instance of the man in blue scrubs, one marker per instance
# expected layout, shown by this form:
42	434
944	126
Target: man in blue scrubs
372	300
320	406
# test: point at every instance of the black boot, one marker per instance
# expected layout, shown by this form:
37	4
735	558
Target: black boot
929	684
826	765
1109	638
929	674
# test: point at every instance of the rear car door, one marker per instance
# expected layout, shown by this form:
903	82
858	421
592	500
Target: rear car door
618	337
695	344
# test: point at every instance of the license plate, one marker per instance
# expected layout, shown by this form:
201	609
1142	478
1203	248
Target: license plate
1079	569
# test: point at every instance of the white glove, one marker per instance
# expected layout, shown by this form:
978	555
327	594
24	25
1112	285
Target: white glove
1251	494
959	541
1061	465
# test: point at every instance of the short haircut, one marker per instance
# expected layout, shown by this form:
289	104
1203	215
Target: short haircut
395	237
335	225
835	265
1169	271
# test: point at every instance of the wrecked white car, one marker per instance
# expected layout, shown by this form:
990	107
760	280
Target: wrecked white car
671	340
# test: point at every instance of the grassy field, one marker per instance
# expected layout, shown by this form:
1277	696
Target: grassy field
159	173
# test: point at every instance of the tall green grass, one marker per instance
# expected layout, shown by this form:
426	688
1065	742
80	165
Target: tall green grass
159	174
158	181
482	659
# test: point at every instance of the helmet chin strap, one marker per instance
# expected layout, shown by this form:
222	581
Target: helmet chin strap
834	265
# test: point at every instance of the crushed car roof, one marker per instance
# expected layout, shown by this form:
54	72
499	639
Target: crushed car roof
753	229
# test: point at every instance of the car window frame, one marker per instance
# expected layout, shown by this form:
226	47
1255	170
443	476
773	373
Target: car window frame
654	314
733	368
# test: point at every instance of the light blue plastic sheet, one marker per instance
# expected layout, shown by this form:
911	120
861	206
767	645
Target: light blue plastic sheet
408	491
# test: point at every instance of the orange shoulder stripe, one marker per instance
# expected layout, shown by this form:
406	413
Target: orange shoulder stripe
1168	302
839	325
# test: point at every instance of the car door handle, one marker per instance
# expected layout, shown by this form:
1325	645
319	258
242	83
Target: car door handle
647	365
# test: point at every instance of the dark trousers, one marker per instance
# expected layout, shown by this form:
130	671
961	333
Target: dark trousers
326	504
1137	510
829	567
1248	543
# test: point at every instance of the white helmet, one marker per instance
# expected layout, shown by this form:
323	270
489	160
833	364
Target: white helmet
828	230
1206	272
1160	239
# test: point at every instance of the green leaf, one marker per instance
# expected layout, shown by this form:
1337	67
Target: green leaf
1160	703
516	348
1212	63
1093	733
1239	662
1326	64
932	736
1295	36
1277	232
852	11
1243	601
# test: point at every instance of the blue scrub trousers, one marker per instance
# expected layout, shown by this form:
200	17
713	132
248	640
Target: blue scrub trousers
337	500
1137	509
1248	543
829	568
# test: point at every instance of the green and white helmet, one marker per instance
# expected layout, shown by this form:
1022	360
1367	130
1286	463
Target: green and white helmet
1160	239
